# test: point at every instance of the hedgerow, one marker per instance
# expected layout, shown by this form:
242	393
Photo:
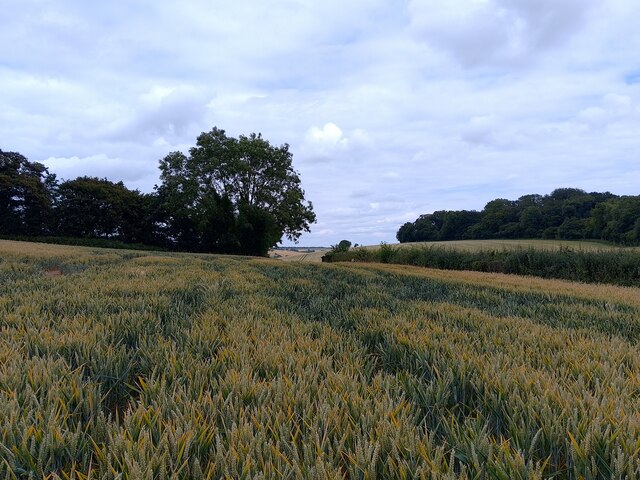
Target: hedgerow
616	266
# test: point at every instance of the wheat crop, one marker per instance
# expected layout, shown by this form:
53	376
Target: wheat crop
136	365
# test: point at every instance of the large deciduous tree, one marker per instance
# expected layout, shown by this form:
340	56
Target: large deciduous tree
232	194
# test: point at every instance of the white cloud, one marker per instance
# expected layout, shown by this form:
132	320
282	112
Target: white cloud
330	135
171	112
480	130
392	176
611	109
413	106
100	165
480	32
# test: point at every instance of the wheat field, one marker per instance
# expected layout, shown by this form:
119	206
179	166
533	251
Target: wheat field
134	365
506	244
465	246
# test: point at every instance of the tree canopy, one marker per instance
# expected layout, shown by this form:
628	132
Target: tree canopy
229	195
99	208
27	191
244	183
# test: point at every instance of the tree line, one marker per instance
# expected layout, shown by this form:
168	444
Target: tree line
565	213
228	195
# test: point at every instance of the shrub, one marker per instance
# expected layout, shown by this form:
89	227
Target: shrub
385	252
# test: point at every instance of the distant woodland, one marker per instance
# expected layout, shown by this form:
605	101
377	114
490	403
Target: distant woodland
565	213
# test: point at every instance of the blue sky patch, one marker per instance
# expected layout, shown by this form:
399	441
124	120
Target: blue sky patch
632	78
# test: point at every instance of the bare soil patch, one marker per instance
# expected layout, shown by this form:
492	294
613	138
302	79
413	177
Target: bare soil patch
53	272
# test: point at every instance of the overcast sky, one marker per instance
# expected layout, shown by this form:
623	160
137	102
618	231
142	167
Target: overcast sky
391	108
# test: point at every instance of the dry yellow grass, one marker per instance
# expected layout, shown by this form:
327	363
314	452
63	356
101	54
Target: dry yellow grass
299	256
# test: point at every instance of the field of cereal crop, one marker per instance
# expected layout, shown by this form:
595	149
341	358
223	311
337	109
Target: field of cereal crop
122	364
506	244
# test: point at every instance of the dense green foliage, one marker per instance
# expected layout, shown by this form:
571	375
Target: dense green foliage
229	196
27	190
341	246
93	208
129	365
617	266
566	213
232	195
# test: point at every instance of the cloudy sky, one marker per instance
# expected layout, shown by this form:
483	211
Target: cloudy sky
391	108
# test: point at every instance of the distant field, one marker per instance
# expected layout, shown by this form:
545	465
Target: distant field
475	245
588	262
299	256
466	245
123	364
